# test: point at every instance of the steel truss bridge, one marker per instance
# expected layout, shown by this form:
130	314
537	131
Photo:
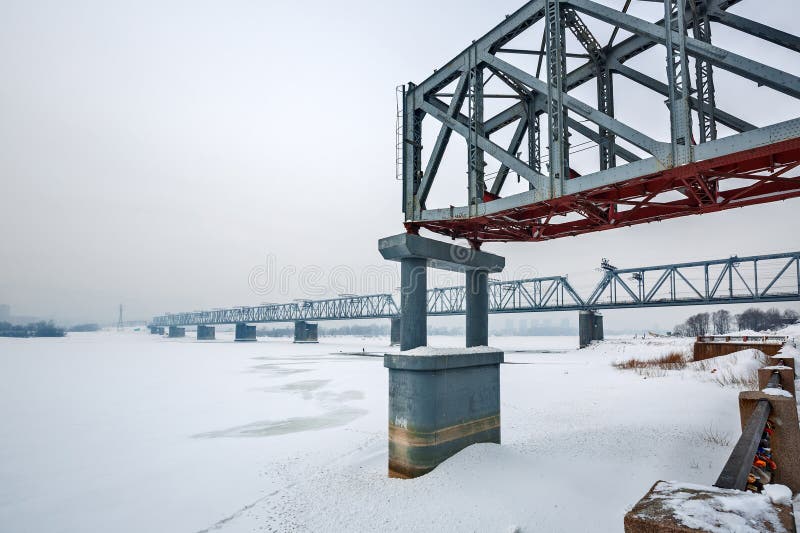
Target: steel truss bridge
755	279
707	159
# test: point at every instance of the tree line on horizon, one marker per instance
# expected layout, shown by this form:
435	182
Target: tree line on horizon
34	329
721	322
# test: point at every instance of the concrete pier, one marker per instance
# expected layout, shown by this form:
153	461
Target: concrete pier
439	404
305	333
590	328
176	332
440	401
156	330
206	333
245	333
394	332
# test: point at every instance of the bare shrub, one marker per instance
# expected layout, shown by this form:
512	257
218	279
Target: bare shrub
716	437
651	372
727	378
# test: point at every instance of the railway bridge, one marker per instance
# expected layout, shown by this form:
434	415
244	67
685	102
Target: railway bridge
753	279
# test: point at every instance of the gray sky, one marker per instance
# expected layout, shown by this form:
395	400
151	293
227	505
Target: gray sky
155	153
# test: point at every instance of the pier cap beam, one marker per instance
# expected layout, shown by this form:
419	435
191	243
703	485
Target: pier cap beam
438	254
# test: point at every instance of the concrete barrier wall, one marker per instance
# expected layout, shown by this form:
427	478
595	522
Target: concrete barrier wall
707	350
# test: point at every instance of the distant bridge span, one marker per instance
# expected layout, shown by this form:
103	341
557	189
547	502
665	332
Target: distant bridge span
754	279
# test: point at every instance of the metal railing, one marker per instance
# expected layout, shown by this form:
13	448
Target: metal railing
759	339
735	472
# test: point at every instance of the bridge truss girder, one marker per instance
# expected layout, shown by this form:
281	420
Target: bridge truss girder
754	279
707	171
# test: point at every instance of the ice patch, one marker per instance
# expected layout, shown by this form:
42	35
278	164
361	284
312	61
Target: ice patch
272	428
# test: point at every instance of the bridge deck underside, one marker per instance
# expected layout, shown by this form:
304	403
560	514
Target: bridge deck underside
736	180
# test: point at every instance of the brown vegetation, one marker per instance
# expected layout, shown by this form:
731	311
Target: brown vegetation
670	361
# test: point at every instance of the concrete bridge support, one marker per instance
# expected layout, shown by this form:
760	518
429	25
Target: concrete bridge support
590	328
176	332
245	333
394	332
477	303
305	333
156	330
206	333
440	401
413	303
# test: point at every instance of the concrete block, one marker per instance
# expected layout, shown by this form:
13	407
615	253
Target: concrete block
785	442
245	333
176	332
439	254
440	402
675	507
206	333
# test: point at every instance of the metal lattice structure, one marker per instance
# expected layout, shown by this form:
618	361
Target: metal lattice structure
637	178
755	279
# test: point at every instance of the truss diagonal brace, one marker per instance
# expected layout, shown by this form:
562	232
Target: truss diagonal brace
513	147
441	142
739	65
781	38
648	144
733	122
518	166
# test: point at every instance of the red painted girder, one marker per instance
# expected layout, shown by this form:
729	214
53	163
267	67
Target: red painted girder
700	182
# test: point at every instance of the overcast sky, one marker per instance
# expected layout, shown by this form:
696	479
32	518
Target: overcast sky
155	153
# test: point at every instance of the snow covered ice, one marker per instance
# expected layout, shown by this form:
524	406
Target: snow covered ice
129	432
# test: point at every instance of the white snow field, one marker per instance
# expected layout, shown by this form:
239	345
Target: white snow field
129	432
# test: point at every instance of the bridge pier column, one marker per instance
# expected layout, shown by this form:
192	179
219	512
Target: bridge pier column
477	304
440	401
394	331
590	328
206	333
245	333
413	303
176	332
305	333
156	330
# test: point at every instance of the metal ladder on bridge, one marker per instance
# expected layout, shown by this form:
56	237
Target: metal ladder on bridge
399	96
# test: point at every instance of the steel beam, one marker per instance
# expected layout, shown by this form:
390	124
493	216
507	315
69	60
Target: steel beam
781	38
442	141
513	147
511	161
648	144
739	65
729	120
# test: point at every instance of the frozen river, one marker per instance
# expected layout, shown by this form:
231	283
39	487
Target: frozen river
128	432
